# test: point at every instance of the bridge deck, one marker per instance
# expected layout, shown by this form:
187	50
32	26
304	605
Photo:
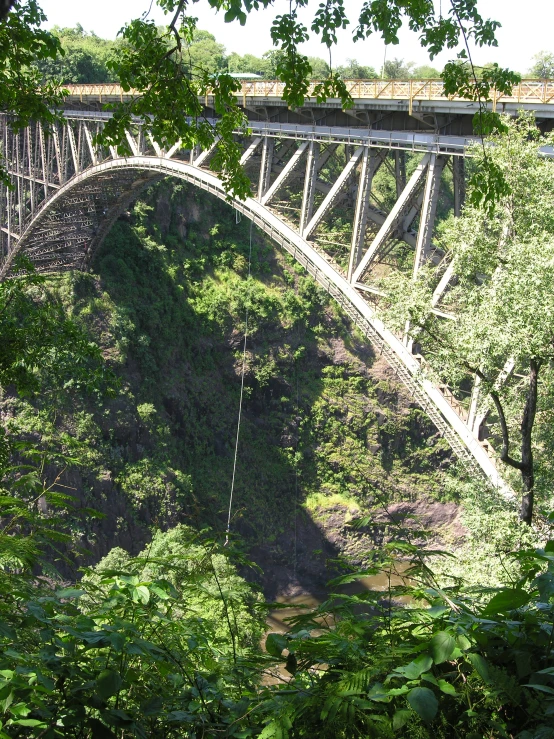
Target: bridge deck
403	140
410	95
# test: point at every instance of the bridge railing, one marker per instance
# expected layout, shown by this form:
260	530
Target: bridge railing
527	92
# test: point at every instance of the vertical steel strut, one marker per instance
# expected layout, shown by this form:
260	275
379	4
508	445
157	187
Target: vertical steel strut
309	186
265	167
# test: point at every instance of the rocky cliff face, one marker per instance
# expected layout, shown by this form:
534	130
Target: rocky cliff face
327	432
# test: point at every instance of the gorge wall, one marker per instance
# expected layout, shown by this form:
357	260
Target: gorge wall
327	433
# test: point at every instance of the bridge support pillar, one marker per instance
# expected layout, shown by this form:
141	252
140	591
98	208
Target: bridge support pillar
74	150
458	170
473	404
370	163
266	164
332	195
60	153
285	174
428	210
394	218
309	186
400	171
426	221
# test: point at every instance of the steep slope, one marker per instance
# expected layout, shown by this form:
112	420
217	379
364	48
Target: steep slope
326	433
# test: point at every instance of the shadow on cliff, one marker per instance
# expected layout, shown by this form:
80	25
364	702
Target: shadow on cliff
167	442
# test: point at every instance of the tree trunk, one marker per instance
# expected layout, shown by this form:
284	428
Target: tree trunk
527	422
5	7
526	465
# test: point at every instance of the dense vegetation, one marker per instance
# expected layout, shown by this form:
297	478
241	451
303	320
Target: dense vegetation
166	642
513	249
167	306
119	399
86	55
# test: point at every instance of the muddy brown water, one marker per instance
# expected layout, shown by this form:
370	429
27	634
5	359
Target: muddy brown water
277	619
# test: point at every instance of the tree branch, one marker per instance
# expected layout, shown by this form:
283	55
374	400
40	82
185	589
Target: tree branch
530	409
504	454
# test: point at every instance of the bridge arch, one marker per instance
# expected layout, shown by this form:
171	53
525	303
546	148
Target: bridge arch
141	170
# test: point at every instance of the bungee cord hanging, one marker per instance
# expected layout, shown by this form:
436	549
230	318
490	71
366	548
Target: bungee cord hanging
296	472
230	511
239	418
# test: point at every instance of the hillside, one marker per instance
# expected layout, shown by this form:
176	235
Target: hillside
326	429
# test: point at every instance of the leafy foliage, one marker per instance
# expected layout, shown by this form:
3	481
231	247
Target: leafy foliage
165	644
83	59
125	654
22	43
42	350
502	297
155	64
543	66
39	343
443	664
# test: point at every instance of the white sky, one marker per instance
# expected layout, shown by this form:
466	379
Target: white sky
526	29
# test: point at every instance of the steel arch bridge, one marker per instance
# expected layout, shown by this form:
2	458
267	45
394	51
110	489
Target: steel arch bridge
67	192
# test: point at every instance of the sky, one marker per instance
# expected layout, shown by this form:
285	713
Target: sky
526	30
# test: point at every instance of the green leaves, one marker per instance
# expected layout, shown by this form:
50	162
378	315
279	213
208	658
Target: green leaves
436	31
330	17
141	594
278	729
275	644
108	683
424	703
416	668
446	687
460	78
160	66
442	646
507	600
69	593
400	718
124	652
292	67
163	66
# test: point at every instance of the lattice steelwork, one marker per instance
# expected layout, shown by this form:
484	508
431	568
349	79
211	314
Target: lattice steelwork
527	92
312	192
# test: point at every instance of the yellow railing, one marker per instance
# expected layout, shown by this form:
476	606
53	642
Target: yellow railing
526	92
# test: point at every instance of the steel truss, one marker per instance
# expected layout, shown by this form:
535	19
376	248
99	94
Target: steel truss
67	191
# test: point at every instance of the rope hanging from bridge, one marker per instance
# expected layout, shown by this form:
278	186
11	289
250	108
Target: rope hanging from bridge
296	472
241	391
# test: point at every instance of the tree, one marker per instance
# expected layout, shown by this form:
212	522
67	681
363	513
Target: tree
320	68
248	63
412	670
425	72
84	58
164	644
396	69
204	55
503	301
37	340
23	43
543	66
355	70
273	58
